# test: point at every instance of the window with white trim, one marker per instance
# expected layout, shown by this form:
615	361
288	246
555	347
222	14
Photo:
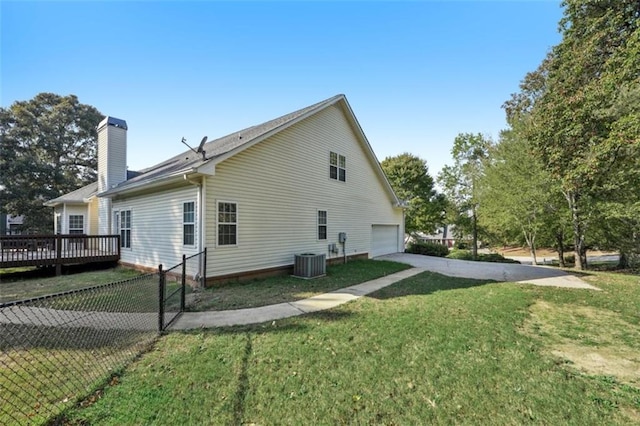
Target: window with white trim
58	227
337	166
189	223
227	224
322	224
125	228
76	224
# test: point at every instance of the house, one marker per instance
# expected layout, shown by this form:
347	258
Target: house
443	235
254	198
10	225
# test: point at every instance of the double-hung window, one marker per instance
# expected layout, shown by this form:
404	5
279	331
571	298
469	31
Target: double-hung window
322	224
337	166
227	224
189	223
76	224
125	228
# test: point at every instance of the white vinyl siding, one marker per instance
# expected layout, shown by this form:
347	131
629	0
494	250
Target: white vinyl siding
112	169
157	227
276	184
92	220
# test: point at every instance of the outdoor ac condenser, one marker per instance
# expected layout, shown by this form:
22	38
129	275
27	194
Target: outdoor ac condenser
309	265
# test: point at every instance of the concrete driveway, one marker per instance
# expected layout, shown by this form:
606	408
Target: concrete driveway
537	275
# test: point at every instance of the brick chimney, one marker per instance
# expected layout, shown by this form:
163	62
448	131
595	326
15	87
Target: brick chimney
112	165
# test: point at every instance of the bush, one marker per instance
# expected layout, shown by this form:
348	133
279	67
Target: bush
428	249
461	245
460	254
482	257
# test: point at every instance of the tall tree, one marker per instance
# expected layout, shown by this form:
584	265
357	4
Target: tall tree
576	130
48	147
461	183
515	192
410	179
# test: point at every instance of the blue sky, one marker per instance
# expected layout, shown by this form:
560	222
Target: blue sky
415	73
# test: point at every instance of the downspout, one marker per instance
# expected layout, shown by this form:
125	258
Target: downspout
200	218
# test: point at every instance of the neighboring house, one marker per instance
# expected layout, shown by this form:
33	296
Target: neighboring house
253	198
443	235
10	225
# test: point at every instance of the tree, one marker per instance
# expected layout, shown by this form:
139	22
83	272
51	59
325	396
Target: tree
574	124
409	177
461	182
515	192
48	148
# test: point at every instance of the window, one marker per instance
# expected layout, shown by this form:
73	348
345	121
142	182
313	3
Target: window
58	224
125	228
189	223
76	224
322	224
227	224
337	167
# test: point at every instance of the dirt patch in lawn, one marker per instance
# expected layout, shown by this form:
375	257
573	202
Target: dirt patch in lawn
594	341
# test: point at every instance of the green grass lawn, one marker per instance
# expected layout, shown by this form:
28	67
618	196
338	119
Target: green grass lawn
427	350
237	295
18	288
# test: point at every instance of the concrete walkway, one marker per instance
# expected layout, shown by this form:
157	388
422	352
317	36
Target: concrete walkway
191	320
508	272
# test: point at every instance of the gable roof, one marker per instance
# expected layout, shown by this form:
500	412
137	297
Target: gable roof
79	196
222	148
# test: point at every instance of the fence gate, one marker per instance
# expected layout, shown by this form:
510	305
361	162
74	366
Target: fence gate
172	286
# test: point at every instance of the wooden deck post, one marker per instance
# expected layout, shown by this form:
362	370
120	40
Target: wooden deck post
58	255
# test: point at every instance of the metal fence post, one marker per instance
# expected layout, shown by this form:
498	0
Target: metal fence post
184	282
161	284
204	270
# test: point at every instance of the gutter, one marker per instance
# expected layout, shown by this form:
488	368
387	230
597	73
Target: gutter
150	183
200	218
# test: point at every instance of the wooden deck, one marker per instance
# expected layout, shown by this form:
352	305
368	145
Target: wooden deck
58	250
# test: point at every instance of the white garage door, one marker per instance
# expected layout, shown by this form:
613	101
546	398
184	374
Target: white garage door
384	239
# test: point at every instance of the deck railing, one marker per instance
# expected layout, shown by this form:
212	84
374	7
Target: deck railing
44	250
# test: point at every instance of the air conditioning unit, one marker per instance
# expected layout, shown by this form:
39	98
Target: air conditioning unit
309	265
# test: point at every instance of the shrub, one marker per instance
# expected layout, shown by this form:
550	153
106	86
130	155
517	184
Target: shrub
460	254
482	257
428	249
461	245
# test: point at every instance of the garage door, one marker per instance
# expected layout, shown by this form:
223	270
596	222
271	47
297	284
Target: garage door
384	239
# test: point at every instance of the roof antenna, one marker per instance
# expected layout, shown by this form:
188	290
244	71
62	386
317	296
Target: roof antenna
200	147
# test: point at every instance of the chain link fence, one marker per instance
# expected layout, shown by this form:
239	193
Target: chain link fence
56	349
174	283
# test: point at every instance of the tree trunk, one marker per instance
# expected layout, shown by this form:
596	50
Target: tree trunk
531	243
623	261
560	248
474	248
578	231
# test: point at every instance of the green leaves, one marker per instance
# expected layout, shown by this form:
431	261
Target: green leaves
409	177
48	148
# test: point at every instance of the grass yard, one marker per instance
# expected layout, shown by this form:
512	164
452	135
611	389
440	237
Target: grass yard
248	294
21	287
427	350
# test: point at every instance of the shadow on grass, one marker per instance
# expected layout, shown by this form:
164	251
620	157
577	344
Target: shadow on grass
427	283
243	384
50	271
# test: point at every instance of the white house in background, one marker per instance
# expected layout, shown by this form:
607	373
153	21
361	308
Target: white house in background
254	198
